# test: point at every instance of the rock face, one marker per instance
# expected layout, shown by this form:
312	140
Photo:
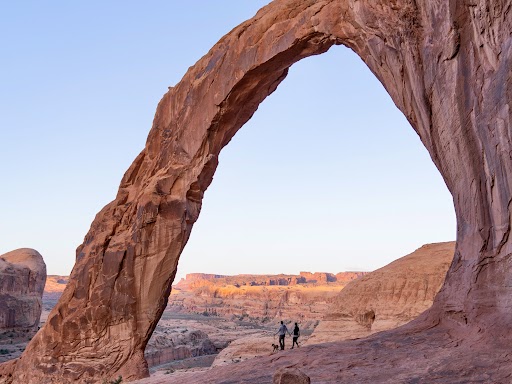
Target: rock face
446	65
195	280
290	376
388	297
178	347
22	279
192	279
261	298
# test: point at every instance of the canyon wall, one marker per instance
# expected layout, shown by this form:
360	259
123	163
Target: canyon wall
260	298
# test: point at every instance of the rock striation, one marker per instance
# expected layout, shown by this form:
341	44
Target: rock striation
388	297
260	298
22	279
178	346
445	64
246	348
195	280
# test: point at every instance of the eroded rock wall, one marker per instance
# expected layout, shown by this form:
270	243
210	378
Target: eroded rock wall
261	298
446	66
163	349
388	297
196	280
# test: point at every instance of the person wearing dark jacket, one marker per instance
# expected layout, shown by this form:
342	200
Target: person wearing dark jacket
296	334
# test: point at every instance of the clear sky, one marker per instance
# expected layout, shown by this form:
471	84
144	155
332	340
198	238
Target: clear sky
327	176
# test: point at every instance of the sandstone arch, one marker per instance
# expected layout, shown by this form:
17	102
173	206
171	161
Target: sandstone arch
445	64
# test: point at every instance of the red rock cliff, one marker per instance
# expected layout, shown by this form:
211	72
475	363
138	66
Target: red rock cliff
22	279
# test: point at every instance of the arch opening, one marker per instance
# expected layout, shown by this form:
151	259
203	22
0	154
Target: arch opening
320	180
332	175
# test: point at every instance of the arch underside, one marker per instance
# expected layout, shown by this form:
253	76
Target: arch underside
446	66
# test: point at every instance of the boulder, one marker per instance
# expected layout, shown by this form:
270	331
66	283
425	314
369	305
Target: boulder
22	280
290	376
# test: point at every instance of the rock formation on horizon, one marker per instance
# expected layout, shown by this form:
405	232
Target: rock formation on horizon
22	279
178	346
388	297
447	67
260	298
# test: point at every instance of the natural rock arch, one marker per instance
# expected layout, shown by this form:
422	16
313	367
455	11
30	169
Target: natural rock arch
446	66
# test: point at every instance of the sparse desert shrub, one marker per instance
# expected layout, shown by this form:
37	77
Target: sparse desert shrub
4	352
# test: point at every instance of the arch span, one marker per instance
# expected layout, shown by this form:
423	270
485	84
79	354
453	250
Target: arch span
446	66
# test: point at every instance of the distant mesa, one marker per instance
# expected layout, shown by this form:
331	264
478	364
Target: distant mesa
55	283
53	289
195	280
22	280
303	297
288	375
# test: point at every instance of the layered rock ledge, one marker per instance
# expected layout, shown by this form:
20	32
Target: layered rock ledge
388	297
22	279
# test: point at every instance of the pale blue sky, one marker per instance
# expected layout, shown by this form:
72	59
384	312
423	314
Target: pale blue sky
327	176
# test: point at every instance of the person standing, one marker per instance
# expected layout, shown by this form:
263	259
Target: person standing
282	331
296	334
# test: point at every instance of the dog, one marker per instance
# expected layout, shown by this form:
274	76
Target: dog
276	347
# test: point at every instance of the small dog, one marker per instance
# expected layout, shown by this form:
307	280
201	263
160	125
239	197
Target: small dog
276	347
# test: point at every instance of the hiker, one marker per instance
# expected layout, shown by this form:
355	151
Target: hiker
296	334
282	333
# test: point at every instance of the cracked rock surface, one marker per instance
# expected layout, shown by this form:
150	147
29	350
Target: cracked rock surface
22	278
